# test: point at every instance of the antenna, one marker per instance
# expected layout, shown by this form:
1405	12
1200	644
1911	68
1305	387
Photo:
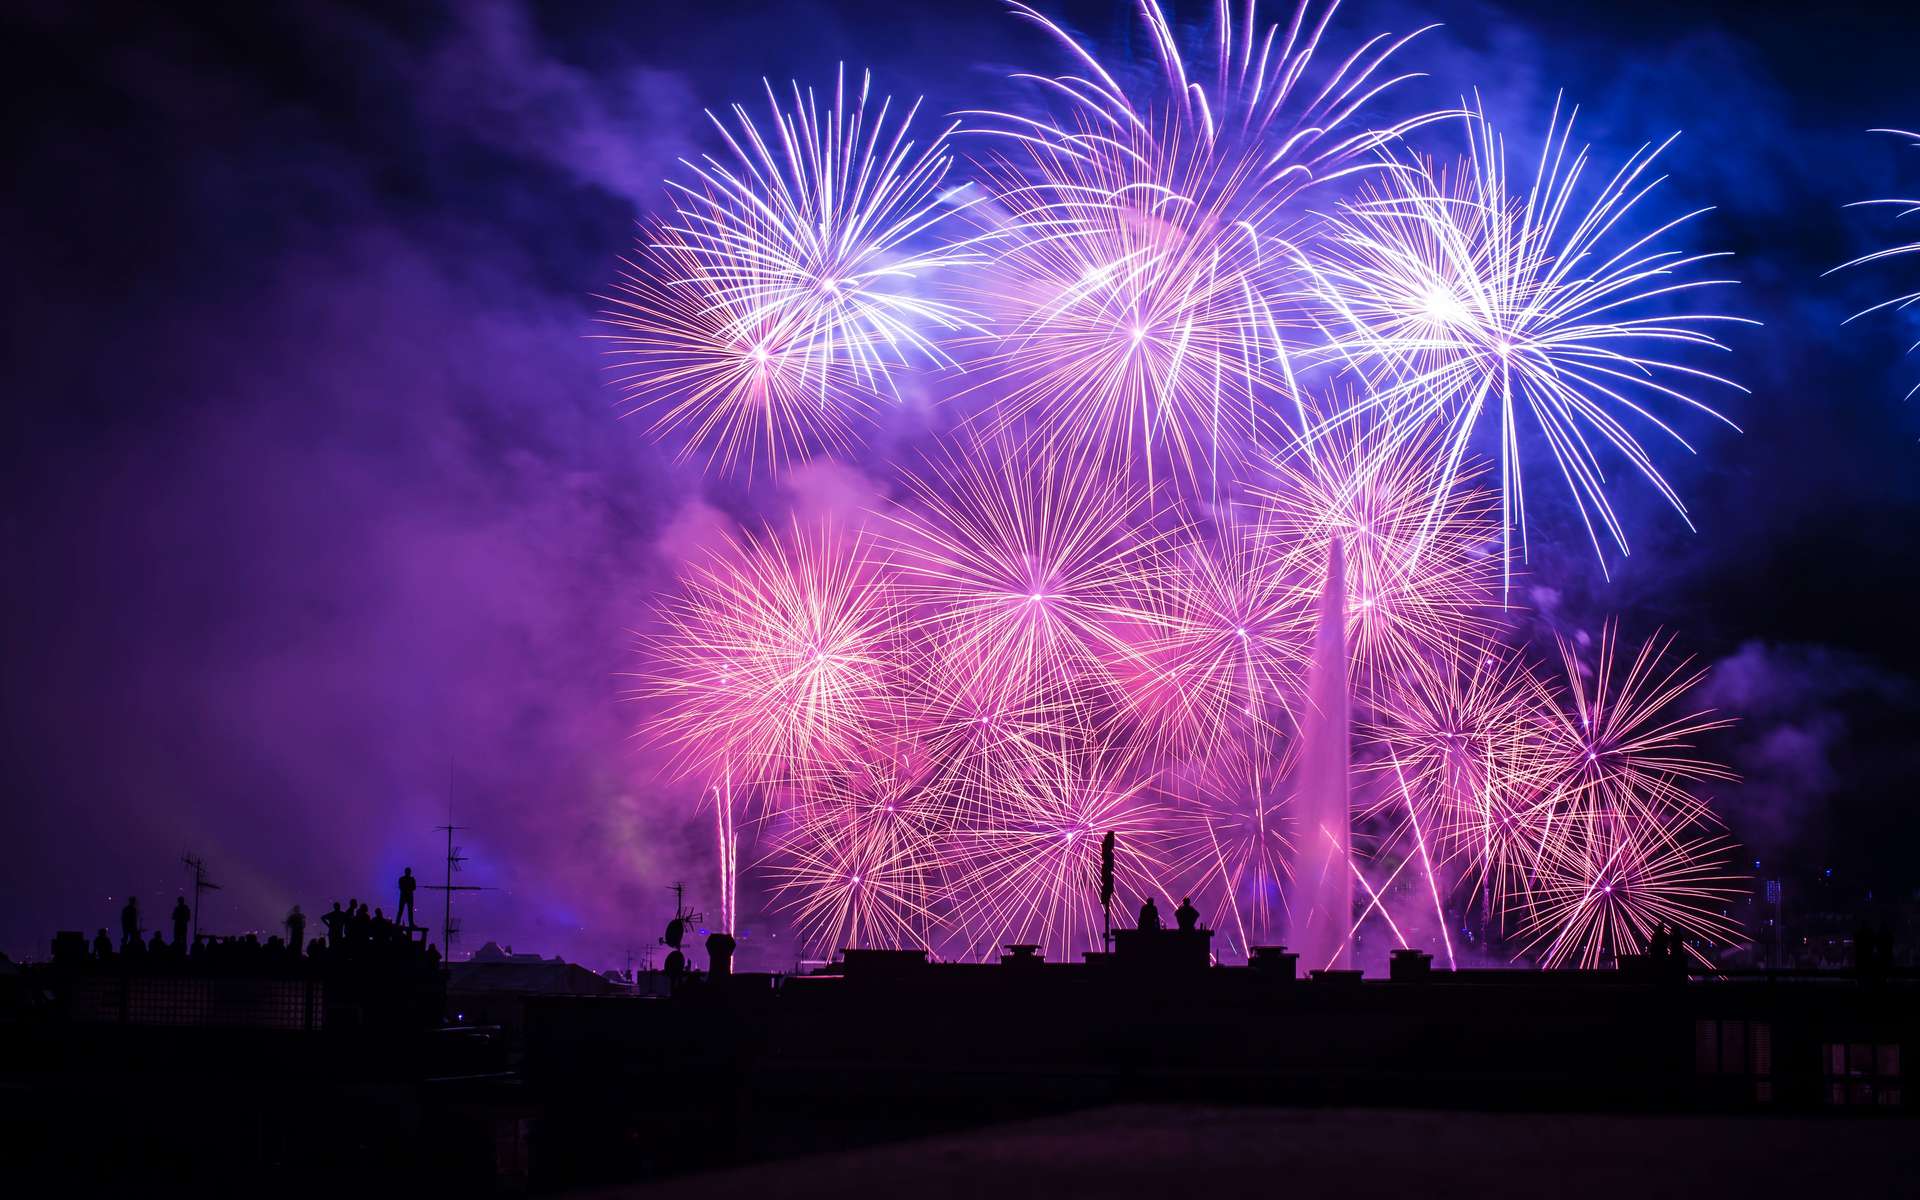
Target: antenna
680	912
200	884
454	859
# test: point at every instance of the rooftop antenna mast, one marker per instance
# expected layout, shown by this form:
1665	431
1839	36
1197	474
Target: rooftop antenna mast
201	883
454	858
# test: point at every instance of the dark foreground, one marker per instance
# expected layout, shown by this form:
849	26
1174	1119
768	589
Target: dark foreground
1179	1152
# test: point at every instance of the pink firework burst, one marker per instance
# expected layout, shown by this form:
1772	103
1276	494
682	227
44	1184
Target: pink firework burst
1029	870
1016	562
860	866
776	659
1231	841
1607	887
1419	578
1215	642
1617	739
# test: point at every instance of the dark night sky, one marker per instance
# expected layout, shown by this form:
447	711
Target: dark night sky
315	505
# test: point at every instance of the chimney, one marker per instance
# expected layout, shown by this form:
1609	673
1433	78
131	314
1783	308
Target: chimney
1275	961
1407	965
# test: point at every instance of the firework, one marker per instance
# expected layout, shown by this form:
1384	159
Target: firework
767	316
1145	243
1903	208
1419	574
1029	871
1613	740
1479	299
775	661
1264	120
1213	642
860	867
1090	605
1230	839
1606	889
1463	742
1017	561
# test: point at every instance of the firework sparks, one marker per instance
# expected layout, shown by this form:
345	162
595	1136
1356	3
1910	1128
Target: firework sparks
1019	560
776	659
1903	209
1614	882
1231	841
1614	740
1091	602
767	317
1146	240
1028	873
1419	577
860	868
1482	300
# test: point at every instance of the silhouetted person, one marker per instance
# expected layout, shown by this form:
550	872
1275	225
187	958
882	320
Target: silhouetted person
381	928
158	946
102	945
403	915
182	917
130	922
359	925
1187	916
336	923
1150	916
296	930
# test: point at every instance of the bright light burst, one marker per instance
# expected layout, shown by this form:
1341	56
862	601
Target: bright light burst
1473	299
1232	843
1089	603
1018	561
1606	889
1419	572
1029	872
774	662
1903	209
1143	237
1212	643
860	867
1616	739
767	316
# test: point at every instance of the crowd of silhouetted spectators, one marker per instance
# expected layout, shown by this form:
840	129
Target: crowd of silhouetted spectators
353	936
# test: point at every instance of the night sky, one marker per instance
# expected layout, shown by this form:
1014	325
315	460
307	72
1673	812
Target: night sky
317	512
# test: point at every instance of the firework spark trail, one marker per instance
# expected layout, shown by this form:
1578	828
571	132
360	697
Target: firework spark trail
860	869
1483	299
1020	561
1904	208
1426	859
1419	583
776	660
1611	886
769	314
1089	606
1029	873
1213	646
1149	236
1612	745
1229	839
